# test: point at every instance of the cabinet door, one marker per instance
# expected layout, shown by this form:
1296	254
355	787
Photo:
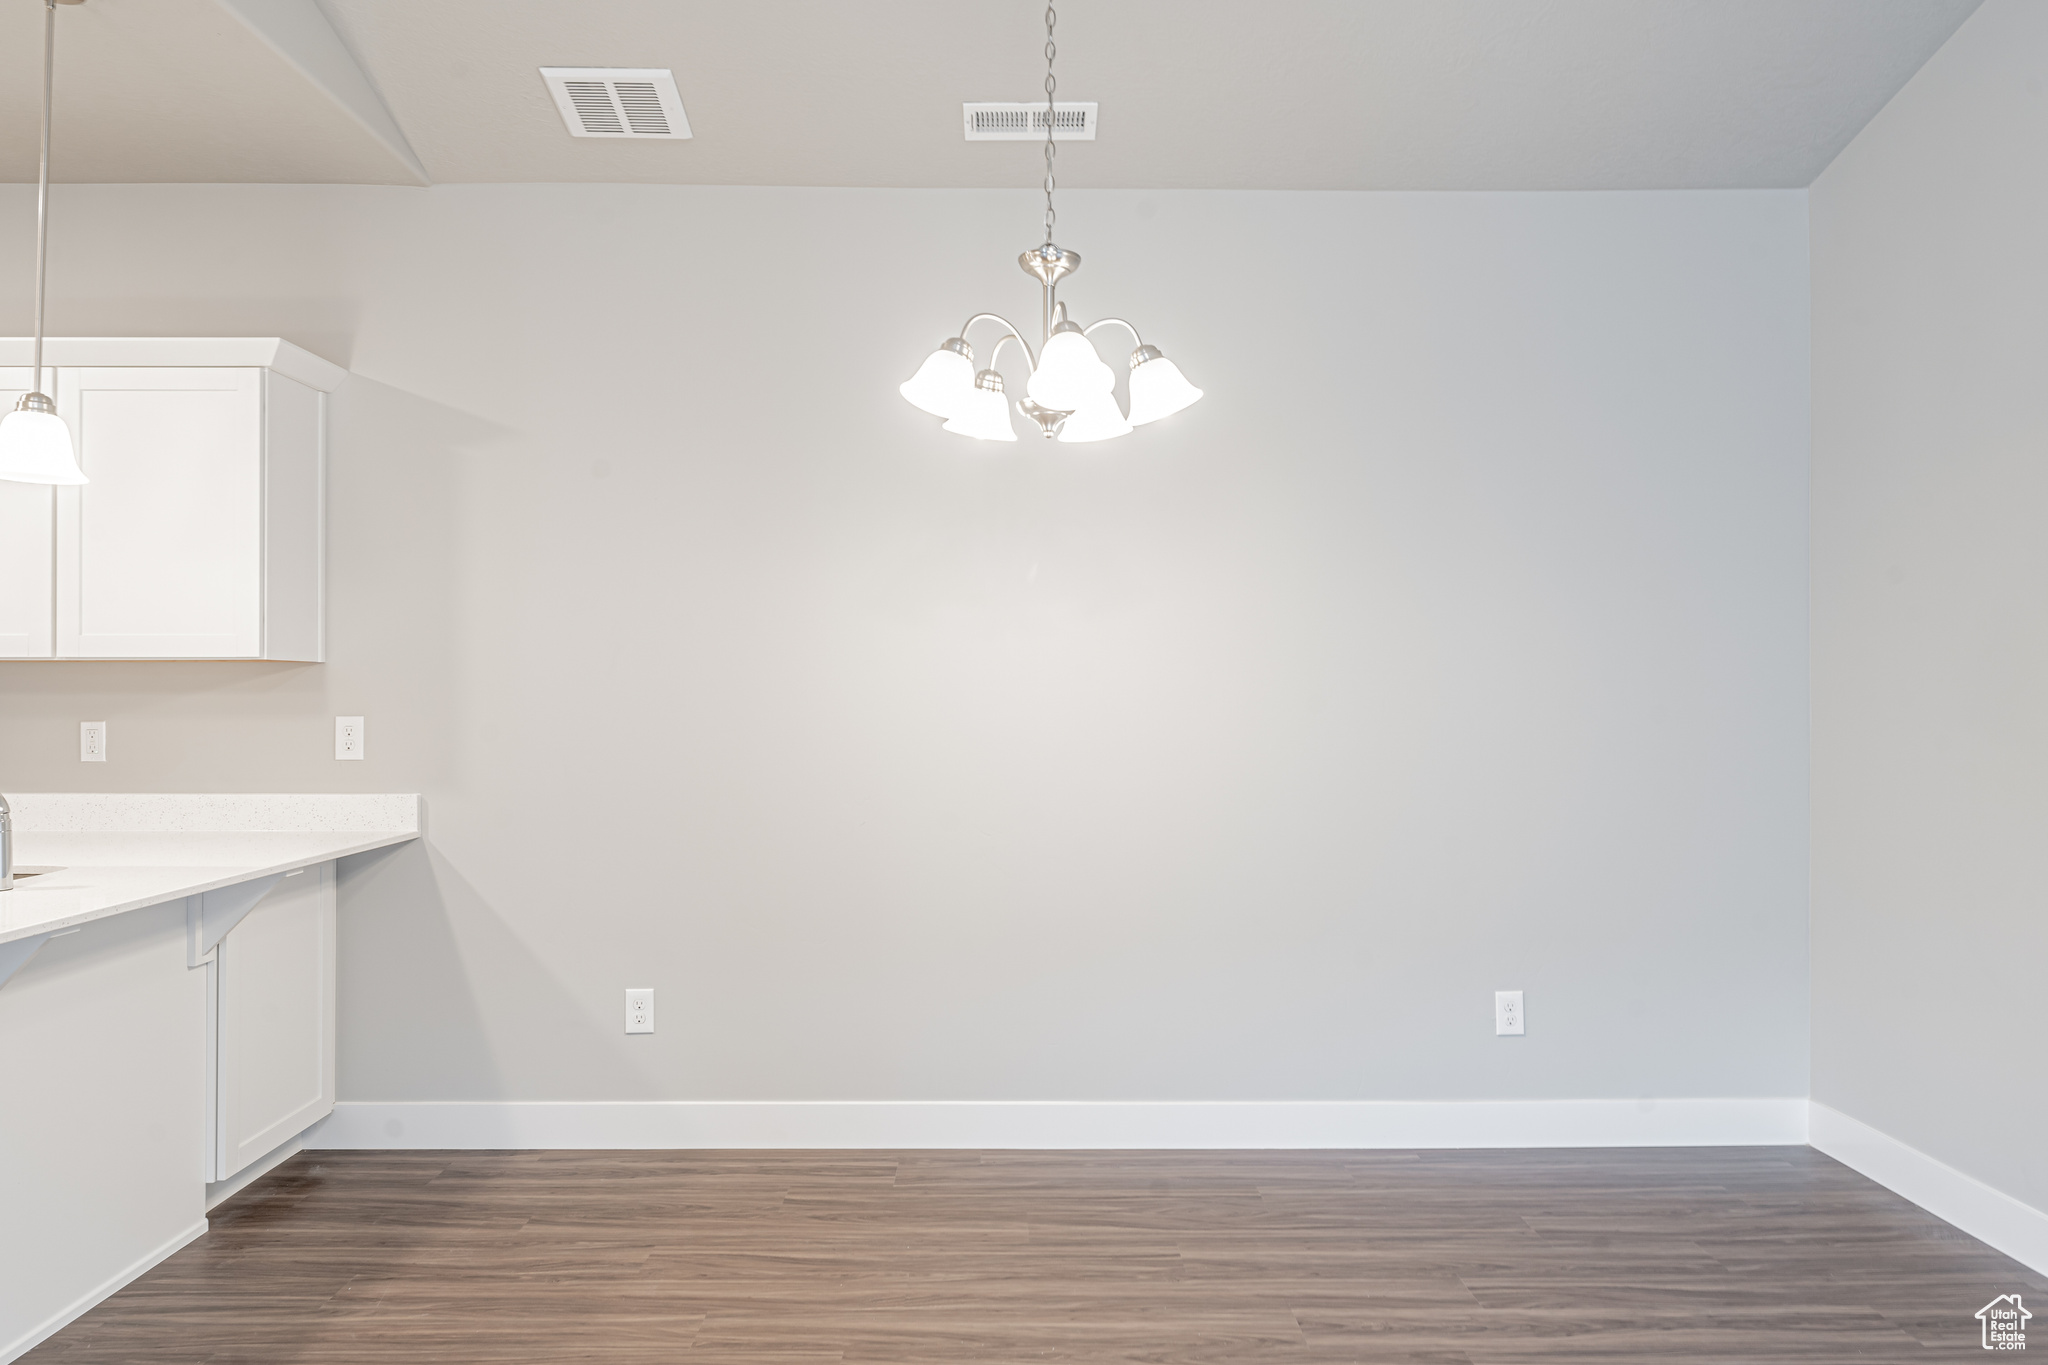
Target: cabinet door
161	555
274	1071
27	550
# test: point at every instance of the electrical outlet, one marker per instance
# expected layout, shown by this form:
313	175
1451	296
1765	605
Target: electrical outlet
1507	1013
92	741
348	736
640	1010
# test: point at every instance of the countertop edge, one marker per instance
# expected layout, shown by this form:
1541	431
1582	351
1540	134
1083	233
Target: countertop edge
365	845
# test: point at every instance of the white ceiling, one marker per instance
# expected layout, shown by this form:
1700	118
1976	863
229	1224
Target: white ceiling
1286	94
193	90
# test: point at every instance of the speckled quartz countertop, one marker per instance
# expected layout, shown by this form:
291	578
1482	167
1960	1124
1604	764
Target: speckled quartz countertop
122	852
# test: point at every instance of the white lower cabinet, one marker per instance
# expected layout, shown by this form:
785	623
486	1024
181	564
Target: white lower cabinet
271	1014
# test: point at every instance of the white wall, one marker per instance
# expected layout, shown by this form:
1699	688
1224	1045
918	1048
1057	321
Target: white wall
1930	600
1456	642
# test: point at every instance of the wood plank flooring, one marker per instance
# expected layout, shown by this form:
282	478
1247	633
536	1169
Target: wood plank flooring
805	1258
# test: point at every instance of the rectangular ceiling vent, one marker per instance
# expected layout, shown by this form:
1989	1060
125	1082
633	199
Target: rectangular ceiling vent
1026	122
617	101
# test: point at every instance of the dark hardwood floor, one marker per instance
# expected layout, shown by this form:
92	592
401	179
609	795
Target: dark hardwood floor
798	1258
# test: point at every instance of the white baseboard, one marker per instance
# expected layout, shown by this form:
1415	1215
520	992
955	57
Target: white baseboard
1992	1217
79	1307
1056	1124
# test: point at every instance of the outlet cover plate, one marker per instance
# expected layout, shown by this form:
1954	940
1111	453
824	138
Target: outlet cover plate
1508	1021
640	1010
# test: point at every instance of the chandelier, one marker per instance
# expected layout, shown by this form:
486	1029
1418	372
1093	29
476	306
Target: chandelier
1070	392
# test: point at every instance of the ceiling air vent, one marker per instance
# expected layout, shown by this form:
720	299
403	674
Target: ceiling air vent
617	101
1026	122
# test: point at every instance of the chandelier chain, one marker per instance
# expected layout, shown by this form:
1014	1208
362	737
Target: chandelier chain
1051	84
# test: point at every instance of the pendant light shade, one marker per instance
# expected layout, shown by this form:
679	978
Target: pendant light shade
944	384
986	414
35	446
1098	419
1069	375
1158	388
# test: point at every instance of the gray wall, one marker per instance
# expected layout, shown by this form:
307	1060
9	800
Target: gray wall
1930	601
1456	642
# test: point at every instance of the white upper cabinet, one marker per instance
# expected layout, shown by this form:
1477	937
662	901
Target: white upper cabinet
200	534
161	555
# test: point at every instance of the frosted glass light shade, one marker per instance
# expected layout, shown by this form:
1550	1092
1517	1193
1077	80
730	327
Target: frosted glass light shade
1098	419
985	415
1158	389
944	382
1069	373
35	447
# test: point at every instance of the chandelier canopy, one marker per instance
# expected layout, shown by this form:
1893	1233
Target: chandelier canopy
1070	393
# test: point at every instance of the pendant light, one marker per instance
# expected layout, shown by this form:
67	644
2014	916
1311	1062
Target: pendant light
1070	392
35	445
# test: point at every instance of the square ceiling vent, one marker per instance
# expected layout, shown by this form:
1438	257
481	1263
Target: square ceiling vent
1026	122
617	101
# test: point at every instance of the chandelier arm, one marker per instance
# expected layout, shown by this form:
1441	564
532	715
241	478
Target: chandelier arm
1119	322
1029	358
1005	340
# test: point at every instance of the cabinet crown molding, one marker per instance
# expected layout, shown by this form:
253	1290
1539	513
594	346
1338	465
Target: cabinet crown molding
271	353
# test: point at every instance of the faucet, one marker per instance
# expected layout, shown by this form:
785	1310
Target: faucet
6	846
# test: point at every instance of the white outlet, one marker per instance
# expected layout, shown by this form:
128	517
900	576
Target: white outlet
92	741
640	1010
348	736
1507	1013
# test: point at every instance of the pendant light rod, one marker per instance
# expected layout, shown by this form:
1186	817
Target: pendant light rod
43	183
